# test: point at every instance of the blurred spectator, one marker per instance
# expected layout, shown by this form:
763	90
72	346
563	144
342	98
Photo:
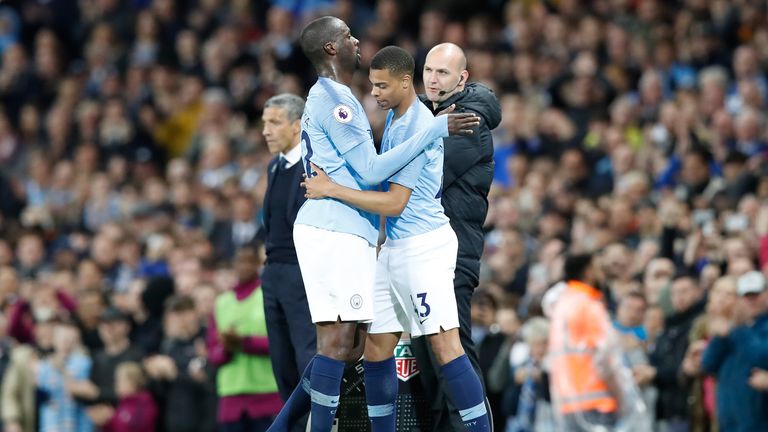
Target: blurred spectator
629	321
148	332
669	351
180	376
237	232
90	306
135	408
523	379
491	329
238	347
18	403
721	304
630	314
484	309
30	252
47	303
736	354
114	328
67	365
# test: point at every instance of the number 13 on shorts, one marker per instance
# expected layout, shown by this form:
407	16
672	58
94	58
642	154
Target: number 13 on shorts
423	305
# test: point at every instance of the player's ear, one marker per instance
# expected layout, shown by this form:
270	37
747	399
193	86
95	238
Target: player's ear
406	81
330	48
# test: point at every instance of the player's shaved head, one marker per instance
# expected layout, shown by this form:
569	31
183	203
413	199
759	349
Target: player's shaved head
317	34
449	54
394	59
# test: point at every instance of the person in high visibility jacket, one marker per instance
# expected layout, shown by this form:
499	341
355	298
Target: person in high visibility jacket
586	371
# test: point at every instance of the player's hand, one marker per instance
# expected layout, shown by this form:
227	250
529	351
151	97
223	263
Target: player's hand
460	123
448	110
319	185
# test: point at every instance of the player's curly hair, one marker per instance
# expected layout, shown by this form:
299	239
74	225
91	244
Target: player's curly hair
394	59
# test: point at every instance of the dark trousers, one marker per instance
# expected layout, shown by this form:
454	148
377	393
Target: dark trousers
445	416
292	336
246	424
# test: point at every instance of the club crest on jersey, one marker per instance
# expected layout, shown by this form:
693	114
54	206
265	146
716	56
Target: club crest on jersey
342	114
356	301
405	361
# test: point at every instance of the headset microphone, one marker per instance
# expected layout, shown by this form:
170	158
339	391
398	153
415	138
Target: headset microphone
445	92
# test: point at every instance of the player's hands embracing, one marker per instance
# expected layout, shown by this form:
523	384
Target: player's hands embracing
319	185
460	123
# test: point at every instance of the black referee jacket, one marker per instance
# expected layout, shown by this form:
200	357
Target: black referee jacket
468	173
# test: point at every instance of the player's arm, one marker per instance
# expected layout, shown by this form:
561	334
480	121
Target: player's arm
374	168
389	203
355	143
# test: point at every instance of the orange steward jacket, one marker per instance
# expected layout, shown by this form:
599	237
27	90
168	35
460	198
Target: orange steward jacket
579	332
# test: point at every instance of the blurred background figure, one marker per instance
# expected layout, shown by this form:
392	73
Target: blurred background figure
739	351
59	411
135	410
238	346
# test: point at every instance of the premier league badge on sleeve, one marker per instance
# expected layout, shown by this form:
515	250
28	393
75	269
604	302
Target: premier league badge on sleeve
342	114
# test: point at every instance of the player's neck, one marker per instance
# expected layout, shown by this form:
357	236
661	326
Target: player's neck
406	103
335	72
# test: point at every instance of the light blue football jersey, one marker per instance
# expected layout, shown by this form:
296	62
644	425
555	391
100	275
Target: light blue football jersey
333	123
336	136
423	175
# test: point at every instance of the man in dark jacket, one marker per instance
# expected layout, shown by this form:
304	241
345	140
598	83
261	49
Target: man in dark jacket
114	328
292	341
180	378
672	404
467	176
733	355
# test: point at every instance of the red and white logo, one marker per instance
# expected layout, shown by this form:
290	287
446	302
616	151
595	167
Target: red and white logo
405	361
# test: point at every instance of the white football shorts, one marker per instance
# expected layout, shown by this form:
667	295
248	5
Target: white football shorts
414	284
338	270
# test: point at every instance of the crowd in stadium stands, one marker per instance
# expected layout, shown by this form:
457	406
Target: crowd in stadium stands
132	168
